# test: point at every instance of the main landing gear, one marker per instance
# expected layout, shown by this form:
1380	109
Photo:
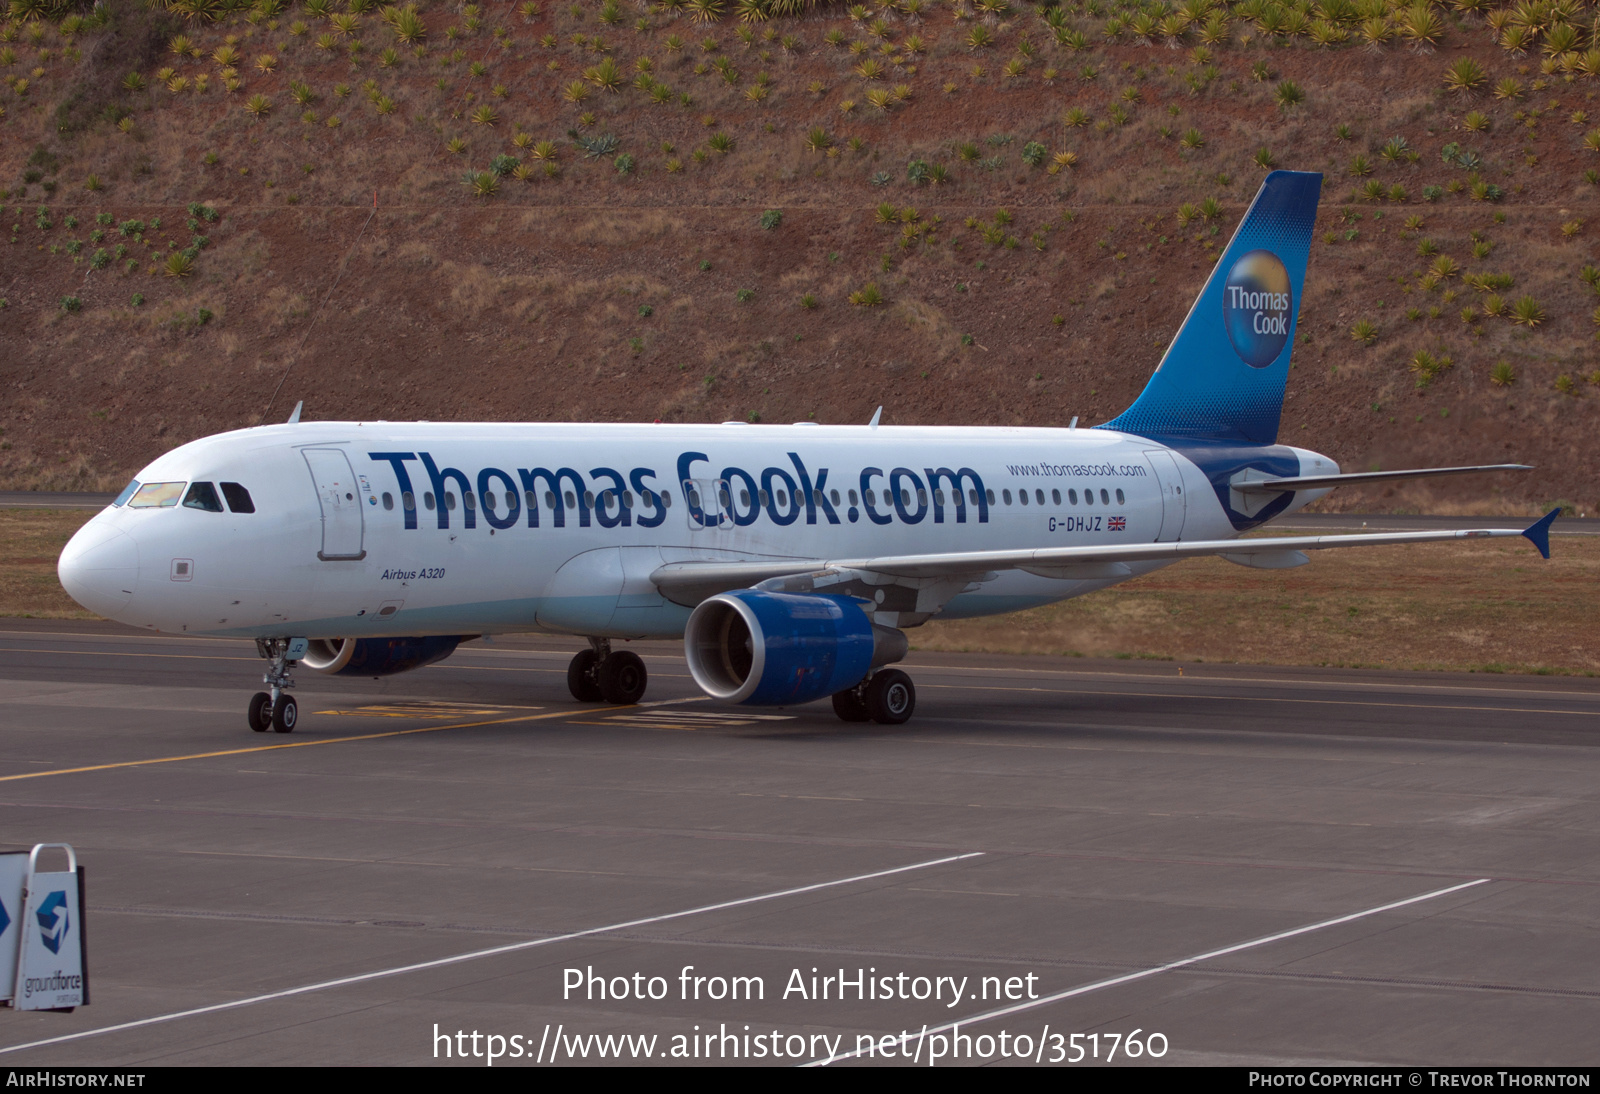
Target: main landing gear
598	674
275	710
887	697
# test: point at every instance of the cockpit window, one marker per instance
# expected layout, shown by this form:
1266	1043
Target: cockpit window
202	495
156	495
127	492
238	498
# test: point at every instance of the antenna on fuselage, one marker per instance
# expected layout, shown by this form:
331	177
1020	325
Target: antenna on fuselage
294	416
876	414
1074	423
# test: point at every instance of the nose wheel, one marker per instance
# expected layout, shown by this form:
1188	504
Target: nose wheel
275	709
599	674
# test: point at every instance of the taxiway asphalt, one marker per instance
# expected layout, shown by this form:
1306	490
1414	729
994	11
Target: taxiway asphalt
1114	818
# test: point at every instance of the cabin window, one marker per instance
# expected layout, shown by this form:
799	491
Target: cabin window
471	502
572	501
409	500
549	500
1055	497
1022	497
666	499
761	496
627	499
872	497
156	495
1039	496
834	494
1006	494
127	492
449	501
972	496
1072	497
1088	497
202	495
905	497
922	496
388	501
1105	498
853	498
989	495
488	500
1120	499
239	498
427	499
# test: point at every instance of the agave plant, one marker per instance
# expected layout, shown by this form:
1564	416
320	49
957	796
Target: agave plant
1365	331
1527	312
483	184
1465	75
259	105
868	296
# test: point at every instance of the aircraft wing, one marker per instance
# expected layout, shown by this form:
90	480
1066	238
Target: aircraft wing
691	582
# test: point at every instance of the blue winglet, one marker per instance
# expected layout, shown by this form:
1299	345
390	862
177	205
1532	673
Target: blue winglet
1538	533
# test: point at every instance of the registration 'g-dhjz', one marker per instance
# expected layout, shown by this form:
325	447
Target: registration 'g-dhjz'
791	559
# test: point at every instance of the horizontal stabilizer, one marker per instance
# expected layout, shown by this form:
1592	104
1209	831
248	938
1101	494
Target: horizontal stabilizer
1326	482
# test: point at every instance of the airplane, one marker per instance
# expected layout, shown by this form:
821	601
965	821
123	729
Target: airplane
790	559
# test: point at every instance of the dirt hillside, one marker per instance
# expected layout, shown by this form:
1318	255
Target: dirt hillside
621	211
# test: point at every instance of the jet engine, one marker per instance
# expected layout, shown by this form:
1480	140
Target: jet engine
771	649
378	656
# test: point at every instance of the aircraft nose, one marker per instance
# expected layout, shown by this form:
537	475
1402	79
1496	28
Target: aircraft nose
99	568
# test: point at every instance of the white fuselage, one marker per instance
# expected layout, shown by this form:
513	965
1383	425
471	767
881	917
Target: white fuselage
331	549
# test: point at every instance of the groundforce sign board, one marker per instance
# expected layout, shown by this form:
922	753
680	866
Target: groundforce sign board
50	971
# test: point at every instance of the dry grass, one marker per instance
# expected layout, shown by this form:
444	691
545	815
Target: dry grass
1458	607
1469	607
30	542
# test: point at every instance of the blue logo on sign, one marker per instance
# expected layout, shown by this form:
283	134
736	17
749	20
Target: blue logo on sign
53	920
5	920
1257	304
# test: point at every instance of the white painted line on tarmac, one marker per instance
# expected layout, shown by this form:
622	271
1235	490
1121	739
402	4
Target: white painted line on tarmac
1142	974
495	951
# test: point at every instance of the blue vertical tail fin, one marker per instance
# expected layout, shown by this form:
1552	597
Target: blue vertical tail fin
1223	376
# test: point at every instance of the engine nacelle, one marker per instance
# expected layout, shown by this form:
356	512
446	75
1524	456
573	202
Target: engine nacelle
377	656
771	649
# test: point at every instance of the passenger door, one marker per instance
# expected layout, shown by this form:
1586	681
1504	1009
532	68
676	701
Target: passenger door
1173	506
342	527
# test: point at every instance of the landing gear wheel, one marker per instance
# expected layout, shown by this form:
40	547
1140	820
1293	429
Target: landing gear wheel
285	714
848	705
622	678
260	712
891	697
581	677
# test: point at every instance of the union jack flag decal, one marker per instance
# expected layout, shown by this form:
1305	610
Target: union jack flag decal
1117	524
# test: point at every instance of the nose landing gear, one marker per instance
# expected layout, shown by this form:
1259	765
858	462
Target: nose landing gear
276	710
599	674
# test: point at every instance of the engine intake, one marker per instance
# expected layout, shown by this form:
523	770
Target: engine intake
772	649
377	656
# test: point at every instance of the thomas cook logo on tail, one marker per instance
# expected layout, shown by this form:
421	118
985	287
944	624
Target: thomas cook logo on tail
1257	302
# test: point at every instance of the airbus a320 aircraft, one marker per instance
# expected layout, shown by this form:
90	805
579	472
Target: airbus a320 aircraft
790	558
